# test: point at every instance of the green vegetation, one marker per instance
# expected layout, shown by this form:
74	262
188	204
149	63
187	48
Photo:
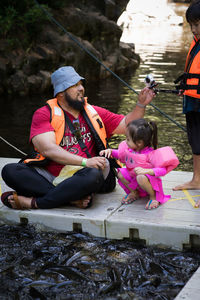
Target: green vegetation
21	20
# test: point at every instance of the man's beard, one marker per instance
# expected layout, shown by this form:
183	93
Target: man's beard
75	104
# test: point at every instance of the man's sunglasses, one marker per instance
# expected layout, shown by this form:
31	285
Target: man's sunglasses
77	129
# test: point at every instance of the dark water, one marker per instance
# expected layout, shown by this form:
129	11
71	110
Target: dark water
75	266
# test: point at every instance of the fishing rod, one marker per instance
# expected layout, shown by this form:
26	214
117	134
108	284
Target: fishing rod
151	84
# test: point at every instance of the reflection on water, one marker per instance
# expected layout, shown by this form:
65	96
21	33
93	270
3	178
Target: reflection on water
163	51
150	15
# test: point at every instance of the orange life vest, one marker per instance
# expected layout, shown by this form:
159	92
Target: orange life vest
92	118
192	71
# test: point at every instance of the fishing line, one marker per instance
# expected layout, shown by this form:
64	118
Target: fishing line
53	20
108	69
12	145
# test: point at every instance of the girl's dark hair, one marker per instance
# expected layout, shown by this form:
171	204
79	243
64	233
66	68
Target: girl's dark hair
193	12
142	130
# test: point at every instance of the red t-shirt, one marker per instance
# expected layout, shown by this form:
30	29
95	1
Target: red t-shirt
41	124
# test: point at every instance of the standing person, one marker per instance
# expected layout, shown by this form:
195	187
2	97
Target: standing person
144	166
191	96
67	131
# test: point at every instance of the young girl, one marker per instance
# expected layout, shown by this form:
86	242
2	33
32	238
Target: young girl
144	165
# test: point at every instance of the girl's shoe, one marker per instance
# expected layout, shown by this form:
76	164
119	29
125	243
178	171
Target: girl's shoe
127	201
152	204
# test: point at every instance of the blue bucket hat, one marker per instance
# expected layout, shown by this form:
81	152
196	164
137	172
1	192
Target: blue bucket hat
64	78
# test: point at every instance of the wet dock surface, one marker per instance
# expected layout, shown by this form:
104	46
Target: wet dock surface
174	225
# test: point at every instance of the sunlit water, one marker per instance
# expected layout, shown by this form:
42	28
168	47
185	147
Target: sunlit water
162	48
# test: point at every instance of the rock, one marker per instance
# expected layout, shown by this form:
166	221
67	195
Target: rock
3	67
32	63
90	36
33	82
18	83
128	50
110	9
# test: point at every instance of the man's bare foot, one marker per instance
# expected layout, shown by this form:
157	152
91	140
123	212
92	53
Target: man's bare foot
151	204
197	204
191	185
83	203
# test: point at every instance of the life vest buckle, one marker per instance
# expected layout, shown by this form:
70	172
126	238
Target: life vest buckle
100	123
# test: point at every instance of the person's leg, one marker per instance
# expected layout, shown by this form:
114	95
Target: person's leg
144	183
109	182
83	183
132	195
27	182
193	131
194	184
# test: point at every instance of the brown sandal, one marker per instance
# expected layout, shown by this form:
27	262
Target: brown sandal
5	201
33	203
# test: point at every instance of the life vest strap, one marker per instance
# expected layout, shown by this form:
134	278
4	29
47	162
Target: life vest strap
185	76
185	87
35	158
183	79
79	139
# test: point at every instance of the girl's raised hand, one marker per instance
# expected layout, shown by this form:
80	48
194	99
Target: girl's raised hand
107	153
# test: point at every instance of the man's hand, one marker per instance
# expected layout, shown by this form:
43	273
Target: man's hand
96	162
180	92
145	96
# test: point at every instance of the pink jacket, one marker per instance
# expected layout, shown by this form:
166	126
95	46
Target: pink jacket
147	158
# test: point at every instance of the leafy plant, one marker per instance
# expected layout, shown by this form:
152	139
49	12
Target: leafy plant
21	21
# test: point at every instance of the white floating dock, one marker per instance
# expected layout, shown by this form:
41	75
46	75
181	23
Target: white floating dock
176	224
191	290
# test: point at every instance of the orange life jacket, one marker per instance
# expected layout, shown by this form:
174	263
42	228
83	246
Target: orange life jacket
191	76
92	118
